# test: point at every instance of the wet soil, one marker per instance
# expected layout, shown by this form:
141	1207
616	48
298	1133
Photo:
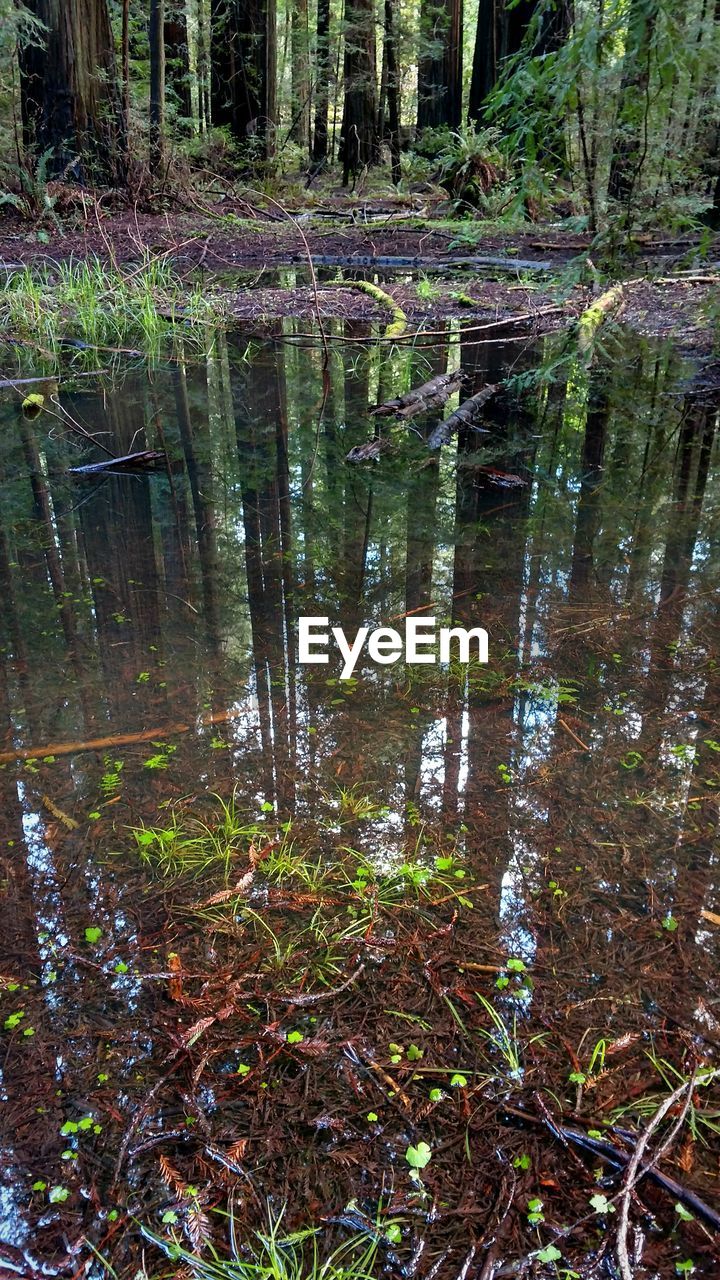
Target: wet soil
218	245
459	905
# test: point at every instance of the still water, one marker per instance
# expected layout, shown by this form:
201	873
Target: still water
501	881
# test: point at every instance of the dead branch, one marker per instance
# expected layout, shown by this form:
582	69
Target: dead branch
431	395
464	416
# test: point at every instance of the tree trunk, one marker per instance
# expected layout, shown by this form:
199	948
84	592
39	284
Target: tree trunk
177	63
392	90
322	83
125	68
71	101
300	101
500	33
244	82
628	154
440	64
359	137
156	35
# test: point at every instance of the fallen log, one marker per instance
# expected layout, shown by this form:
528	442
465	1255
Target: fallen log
463	416
606	305
427	264
431	395
145	460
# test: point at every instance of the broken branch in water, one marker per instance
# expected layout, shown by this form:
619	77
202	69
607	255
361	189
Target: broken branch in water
145	460
113	740
463	416
431	395
620	1159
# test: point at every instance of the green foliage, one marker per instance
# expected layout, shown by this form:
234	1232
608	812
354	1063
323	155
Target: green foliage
272	1255
105	305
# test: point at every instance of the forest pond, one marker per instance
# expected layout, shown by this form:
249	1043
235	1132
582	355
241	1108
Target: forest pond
351	947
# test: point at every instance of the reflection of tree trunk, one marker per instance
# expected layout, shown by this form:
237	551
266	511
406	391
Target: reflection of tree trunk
201	487
694	449
358	487
588	513
264	478
44	516
422	492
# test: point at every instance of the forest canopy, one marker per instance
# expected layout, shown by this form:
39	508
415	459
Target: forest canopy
591	111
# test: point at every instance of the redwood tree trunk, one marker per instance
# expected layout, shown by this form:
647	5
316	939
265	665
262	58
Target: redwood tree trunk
392	90
440	64
627	155
177	64
300	104
501	28
71	101
157	84
359	137
244	68
322	83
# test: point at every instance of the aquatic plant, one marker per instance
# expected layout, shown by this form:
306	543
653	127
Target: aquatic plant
272	1255
99	304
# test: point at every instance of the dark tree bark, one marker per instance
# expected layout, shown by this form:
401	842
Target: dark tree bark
440	64
322	83
500	33
244	69
177	65
300	100
628	154
392	92
70	95
156	34
359	136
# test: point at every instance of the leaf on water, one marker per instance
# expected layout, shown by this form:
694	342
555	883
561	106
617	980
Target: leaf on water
710	916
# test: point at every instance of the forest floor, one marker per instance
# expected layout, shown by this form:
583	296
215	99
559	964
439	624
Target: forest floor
669	282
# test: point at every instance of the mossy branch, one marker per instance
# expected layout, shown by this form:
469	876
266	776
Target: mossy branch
383	299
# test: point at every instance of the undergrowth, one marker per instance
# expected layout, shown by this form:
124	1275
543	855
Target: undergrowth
102	305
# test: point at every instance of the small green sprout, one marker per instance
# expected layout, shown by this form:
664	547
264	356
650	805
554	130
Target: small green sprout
418	1157
549	1254
601	1204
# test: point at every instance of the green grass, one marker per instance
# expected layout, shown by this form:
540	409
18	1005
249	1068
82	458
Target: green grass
103	305
272	1255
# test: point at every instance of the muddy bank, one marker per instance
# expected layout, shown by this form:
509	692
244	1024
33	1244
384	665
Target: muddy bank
433	282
